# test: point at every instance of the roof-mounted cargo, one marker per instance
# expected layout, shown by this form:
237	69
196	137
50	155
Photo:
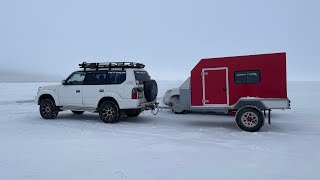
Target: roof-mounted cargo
111	65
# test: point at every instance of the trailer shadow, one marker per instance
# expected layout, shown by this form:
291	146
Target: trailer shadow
217	120
212	124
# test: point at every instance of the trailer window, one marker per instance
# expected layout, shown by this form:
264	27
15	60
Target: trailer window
247	77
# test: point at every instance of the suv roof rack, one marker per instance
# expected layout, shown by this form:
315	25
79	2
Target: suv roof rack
111	65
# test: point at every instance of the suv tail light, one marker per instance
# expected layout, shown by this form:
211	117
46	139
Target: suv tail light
134	94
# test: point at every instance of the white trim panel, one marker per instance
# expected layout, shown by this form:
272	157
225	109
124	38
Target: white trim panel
276	103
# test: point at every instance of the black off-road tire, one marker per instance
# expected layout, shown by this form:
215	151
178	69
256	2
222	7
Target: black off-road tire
133	112
48	109
150	90
78	112
109	112
250	119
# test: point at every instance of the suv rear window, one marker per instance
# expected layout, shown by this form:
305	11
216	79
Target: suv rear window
116	77
105	77
141	75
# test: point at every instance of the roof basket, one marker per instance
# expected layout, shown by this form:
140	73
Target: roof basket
111	65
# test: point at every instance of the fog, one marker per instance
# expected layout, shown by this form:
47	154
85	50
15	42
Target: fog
52	37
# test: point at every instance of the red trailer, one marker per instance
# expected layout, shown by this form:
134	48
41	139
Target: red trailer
248	85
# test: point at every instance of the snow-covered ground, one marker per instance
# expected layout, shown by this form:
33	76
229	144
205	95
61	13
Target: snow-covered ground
164	147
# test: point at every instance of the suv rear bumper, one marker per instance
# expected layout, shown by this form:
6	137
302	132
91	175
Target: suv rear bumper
148	106
136	104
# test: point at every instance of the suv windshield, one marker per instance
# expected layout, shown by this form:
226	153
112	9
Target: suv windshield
141	75
76	78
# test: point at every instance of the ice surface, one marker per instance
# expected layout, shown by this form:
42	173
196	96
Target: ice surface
166	146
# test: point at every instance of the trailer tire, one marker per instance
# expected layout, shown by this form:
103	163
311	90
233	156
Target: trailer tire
250	119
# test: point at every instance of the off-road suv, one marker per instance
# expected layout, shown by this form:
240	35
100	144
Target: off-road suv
111	89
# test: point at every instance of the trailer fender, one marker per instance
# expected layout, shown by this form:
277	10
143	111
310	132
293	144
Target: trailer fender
249	106
253	103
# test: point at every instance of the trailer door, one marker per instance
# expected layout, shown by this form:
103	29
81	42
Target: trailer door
215	87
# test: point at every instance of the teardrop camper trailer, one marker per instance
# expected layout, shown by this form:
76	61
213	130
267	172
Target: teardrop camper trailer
249	86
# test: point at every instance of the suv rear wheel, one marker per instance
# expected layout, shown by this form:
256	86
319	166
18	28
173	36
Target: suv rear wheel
109	112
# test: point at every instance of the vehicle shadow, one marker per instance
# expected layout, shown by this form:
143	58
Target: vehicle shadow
211	121
83	117
137	120
94	117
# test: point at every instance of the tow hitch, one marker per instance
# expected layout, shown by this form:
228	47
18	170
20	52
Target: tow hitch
155	109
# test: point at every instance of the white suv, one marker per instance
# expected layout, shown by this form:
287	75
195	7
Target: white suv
110	89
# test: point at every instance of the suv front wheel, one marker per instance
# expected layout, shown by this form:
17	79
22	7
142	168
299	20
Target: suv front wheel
109	112
48	109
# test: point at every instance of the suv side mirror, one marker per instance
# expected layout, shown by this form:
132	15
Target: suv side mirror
63	82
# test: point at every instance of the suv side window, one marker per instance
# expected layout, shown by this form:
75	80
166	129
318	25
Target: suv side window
247	77
105	77
116	77
76	78
141	76
95	78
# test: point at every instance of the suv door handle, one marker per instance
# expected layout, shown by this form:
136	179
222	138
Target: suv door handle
101	90
225	89
77	91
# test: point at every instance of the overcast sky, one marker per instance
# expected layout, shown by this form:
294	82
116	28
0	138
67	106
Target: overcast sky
169	36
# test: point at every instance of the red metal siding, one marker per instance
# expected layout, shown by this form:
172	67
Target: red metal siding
272	71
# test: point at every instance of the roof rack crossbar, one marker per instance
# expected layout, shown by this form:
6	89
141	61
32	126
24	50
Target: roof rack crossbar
110	65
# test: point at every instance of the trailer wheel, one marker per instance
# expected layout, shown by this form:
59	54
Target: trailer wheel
176	106
249	119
